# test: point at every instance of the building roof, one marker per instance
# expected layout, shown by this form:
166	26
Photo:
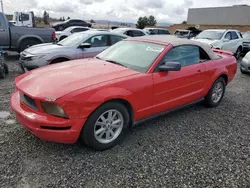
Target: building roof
175	41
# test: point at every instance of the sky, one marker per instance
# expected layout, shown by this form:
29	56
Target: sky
165	11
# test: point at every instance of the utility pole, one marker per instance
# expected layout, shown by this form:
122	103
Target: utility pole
2	5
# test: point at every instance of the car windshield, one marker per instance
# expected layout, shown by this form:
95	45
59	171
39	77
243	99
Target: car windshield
135	55
211	35
74	40
246	35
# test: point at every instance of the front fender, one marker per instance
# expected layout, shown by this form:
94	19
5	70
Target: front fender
84	103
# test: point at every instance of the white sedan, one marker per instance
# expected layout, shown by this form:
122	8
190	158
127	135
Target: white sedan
230	40
60	35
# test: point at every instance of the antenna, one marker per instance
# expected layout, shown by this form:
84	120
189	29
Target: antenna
1	4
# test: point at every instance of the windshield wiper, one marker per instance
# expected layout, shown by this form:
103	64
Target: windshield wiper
115	62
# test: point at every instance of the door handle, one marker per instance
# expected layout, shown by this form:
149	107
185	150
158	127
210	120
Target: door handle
199	71
2	30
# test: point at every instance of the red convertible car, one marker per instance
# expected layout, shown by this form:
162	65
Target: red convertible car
96	100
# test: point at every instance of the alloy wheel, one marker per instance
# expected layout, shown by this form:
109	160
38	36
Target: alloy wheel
217	92
108	126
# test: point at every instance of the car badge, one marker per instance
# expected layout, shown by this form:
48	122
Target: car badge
50	99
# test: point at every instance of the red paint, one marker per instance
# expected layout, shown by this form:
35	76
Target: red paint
81	86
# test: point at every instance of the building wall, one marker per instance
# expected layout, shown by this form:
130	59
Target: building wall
242	28
235	15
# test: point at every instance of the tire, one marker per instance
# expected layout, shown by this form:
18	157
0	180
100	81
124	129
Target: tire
2	72
28	43
242	71
209	99
6	69
58	60
101	142
62	37
238	53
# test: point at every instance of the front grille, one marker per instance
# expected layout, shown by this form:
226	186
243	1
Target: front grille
28	101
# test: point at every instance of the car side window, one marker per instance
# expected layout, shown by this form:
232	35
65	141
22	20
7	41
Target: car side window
186	55
78	30
114	39
163	32
98	41
228	36
154	32
137	33
129	33
234	35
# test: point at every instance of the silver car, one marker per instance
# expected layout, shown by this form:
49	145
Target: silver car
131	32
79	45
245	64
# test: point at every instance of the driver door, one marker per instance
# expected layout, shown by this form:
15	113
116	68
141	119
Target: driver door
98	44
233	43
176	88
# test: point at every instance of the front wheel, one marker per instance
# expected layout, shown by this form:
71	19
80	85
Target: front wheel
238	53
106	127
216	93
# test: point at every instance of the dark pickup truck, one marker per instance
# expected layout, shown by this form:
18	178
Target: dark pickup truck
19	38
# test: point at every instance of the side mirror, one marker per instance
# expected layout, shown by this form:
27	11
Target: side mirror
85	45
226	40
170	66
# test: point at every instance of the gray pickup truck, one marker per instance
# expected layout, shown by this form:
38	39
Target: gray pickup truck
19	38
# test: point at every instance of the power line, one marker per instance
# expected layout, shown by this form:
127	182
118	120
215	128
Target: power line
1	4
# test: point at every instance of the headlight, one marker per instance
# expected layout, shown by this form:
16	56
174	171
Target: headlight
38	57
53	109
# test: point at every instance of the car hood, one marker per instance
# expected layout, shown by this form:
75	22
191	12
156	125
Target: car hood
207	41
45	48
55	81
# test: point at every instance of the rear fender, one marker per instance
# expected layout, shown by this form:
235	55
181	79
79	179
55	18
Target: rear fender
215	76
29	37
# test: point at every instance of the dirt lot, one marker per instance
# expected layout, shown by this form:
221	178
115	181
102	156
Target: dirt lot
195	147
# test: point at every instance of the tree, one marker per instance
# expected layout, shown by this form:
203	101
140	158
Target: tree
184	22
63	19
142	22
92	21
68	18
151	21
46	18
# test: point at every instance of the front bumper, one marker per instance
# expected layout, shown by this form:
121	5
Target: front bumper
45	126
245	65
32	64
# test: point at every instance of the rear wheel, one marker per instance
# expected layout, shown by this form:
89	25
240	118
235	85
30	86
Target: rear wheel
106	127
28	43
216	93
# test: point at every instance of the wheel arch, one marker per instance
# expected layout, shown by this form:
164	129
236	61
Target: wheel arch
29	37
122	101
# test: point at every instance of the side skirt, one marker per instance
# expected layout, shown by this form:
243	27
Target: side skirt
166	112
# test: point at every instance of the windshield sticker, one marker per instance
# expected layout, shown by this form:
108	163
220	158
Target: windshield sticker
154	49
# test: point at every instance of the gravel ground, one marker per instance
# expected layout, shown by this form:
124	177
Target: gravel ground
194	147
